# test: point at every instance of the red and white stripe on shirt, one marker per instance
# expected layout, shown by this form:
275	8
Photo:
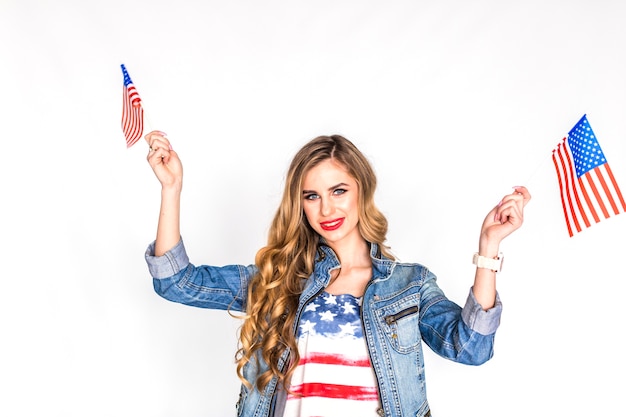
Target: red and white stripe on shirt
334	377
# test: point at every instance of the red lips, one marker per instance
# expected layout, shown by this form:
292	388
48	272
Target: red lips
332	224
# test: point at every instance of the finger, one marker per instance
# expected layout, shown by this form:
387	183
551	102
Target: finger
155	157
157	139
158	154
150	136
510	205
523	191
520	196
502	205
512	212
515	199
160	142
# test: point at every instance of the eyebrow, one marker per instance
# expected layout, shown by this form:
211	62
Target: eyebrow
334	187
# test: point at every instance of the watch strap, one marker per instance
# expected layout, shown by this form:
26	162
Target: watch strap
495	264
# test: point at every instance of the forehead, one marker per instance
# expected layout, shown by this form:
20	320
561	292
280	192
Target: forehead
327	173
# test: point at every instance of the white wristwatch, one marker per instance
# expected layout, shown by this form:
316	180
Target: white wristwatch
495	264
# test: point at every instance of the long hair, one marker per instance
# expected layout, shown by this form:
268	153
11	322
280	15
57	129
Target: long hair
288	259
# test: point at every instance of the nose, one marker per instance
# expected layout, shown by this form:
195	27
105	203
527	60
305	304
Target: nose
326	207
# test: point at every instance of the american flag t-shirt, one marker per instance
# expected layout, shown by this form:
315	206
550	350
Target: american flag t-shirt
334	377
588	188
132	111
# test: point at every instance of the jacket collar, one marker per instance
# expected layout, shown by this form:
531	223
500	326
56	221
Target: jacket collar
327	260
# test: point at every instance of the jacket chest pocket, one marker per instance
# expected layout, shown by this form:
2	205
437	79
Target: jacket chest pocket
399	322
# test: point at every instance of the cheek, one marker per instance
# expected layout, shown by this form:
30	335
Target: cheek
351	206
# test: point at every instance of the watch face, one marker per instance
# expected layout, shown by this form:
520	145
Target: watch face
496	264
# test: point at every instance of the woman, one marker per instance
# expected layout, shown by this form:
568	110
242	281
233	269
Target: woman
333	324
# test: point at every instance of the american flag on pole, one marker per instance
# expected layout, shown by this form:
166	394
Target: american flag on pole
588	188
132	111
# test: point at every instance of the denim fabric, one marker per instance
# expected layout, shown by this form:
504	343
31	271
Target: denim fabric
402	306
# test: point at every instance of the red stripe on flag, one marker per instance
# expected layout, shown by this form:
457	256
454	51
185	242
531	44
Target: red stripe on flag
618	192
576	187
564	203
132	116
585	193
571	189
596	194
605	188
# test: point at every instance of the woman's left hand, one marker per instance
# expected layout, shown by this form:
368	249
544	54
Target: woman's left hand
506	217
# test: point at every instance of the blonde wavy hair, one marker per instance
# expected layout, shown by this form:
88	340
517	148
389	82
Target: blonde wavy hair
288	259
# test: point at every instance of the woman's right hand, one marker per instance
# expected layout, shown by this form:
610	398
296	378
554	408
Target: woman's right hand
164	160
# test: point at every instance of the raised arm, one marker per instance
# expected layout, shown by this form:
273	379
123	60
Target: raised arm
169	171
501	221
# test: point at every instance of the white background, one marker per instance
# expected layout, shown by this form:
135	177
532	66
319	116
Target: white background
454	102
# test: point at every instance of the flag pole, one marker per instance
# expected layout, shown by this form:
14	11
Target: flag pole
542	162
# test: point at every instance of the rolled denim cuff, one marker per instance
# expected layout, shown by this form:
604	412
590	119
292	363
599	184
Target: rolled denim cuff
172	262
479	320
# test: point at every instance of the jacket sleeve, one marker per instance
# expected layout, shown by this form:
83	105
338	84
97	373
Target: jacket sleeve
464	335
216	287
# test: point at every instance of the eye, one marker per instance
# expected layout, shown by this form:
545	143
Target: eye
311	196
339	191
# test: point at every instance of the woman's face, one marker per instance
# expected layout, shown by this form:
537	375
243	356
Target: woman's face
330	200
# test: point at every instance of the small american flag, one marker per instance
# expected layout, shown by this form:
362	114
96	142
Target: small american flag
588	188
132	111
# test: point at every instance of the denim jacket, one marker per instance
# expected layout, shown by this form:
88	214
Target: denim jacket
402	306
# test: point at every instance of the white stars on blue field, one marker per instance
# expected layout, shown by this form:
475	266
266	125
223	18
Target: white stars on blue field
332	316
585	148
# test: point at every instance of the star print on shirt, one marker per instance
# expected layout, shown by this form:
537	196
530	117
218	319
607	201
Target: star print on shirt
349	308
307	327
311	307
327	316
333	316
330	299
347	328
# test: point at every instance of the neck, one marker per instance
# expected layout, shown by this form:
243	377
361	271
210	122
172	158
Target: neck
352	252
355	270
